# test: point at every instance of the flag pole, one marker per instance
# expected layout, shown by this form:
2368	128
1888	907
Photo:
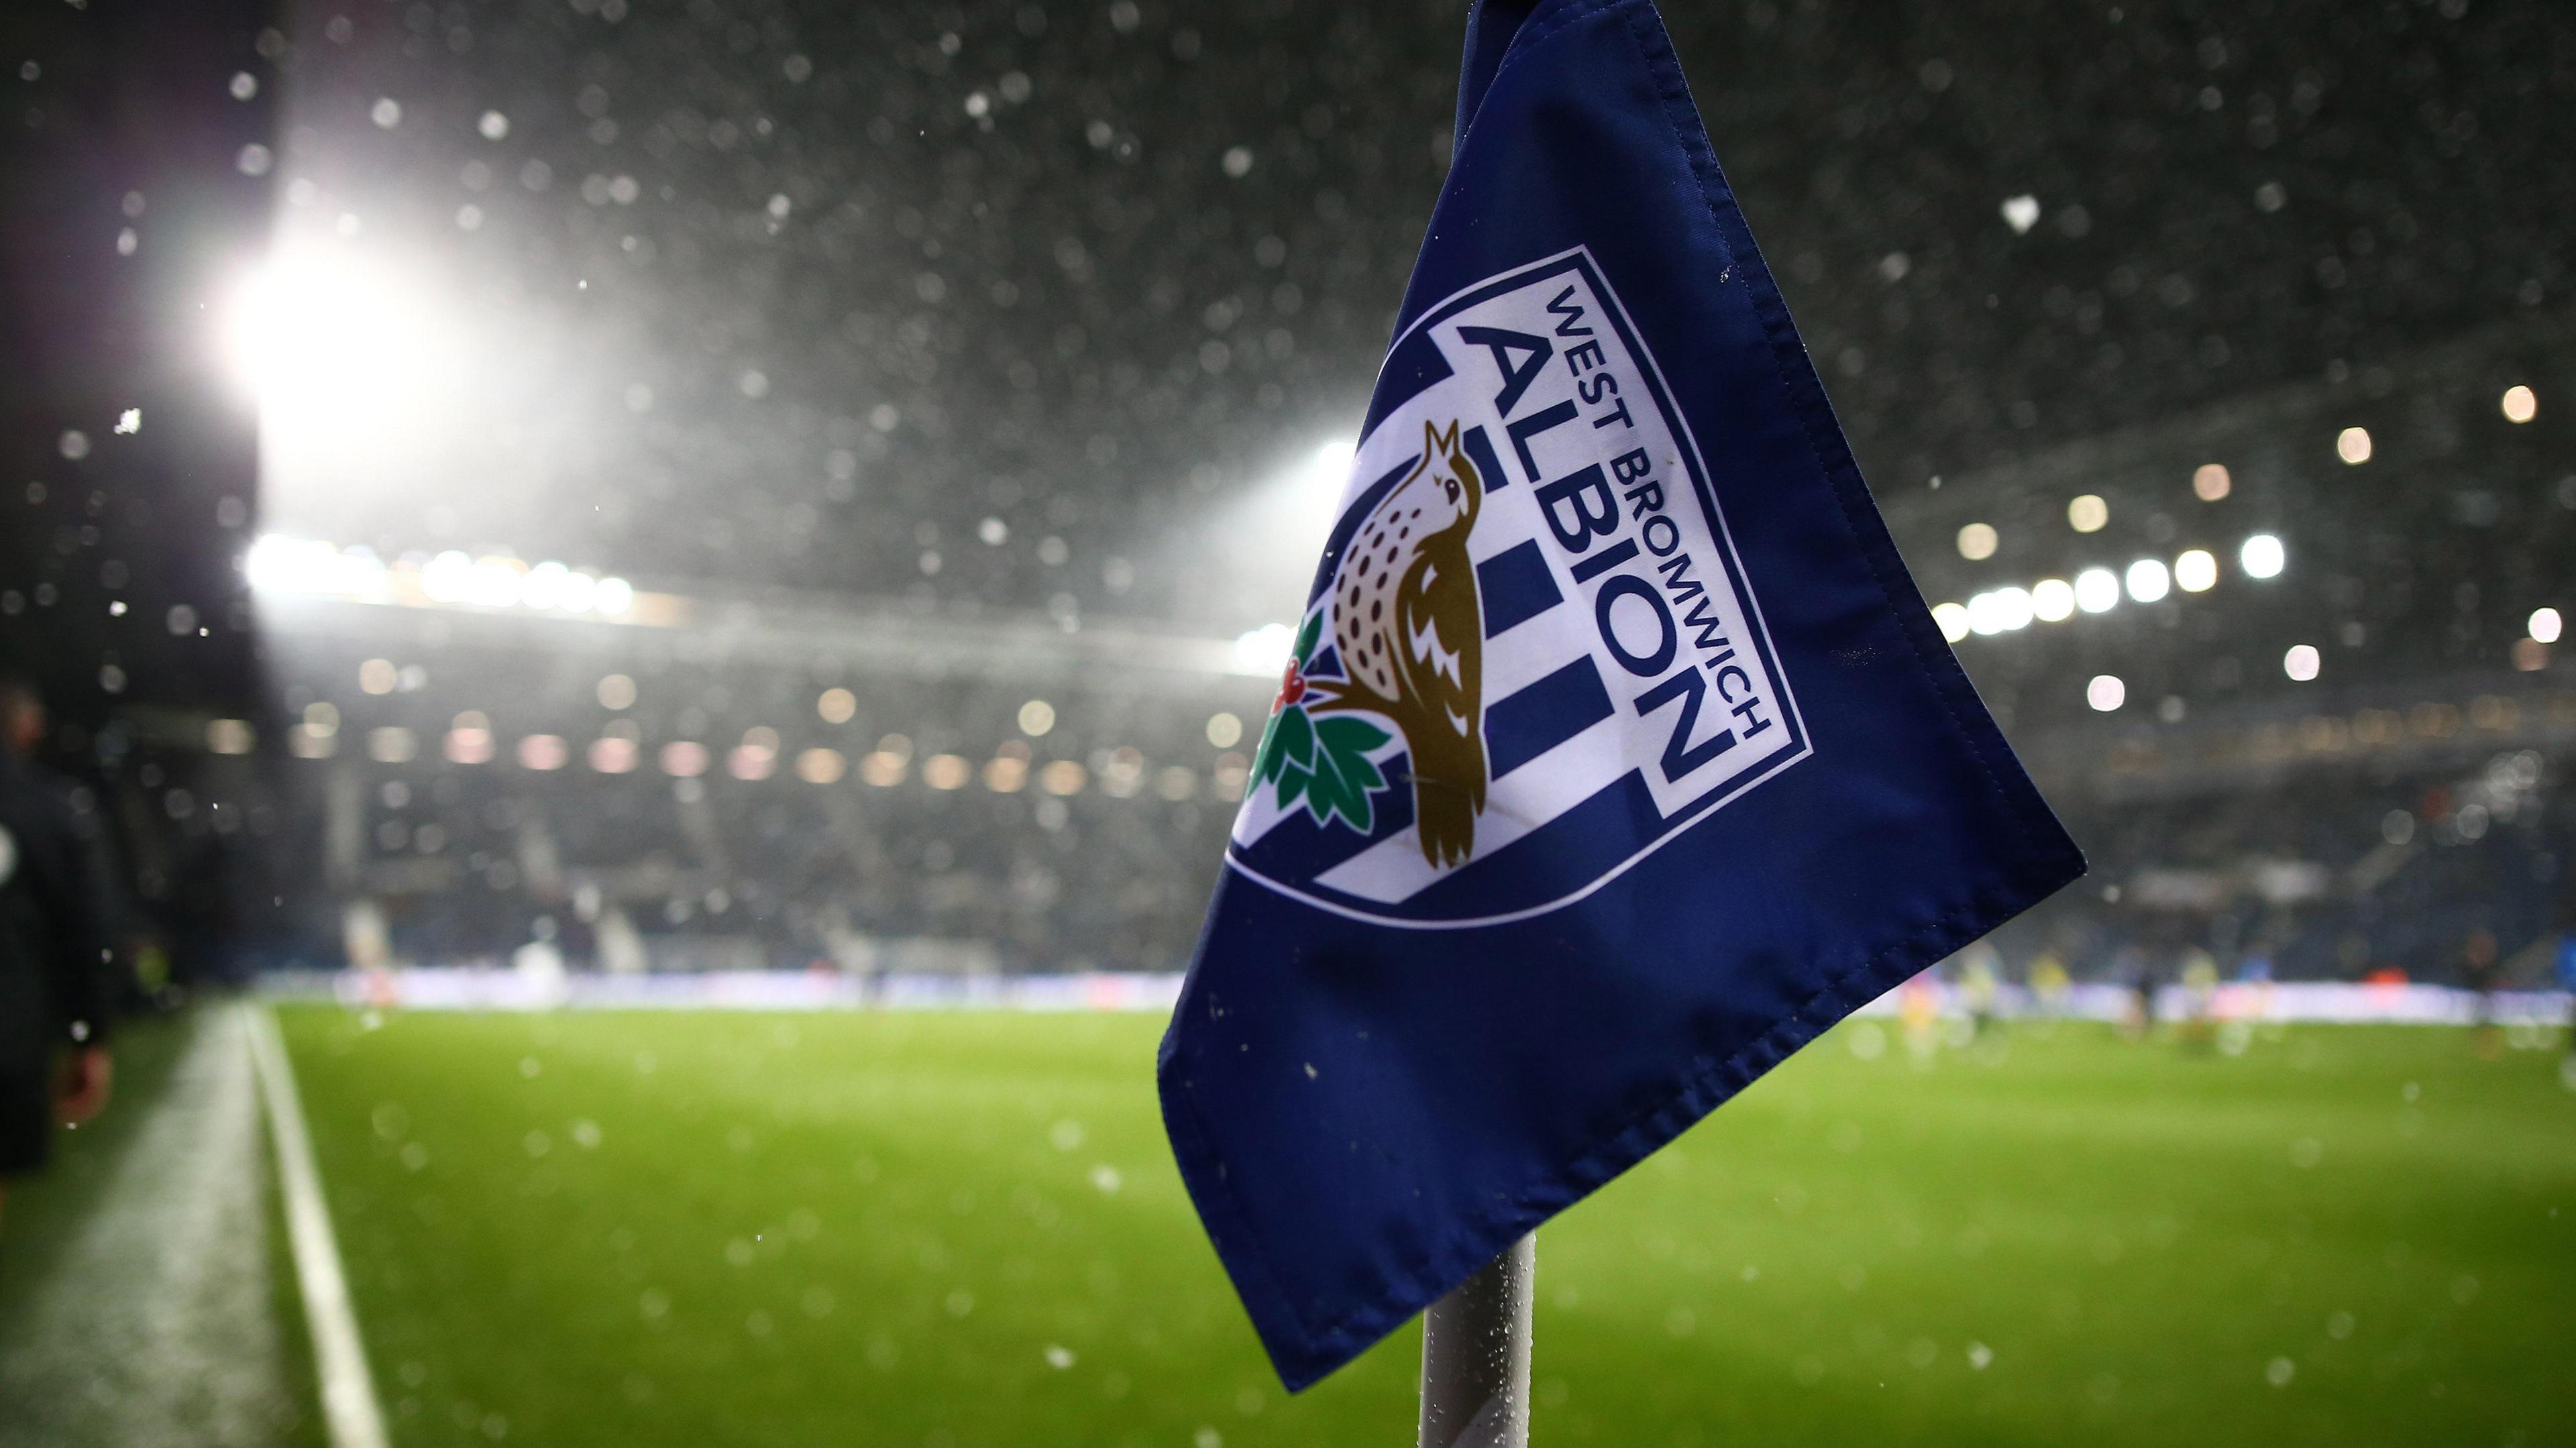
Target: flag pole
1476	1356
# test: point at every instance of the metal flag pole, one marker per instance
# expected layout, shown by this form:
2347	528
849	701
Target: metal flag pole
1476	1356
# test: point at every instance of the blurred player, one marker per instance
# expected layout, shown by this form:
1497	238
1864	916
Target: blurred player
55	985
2049	982
2254	975
1979	985
2141	1015
1918	1012
2200	998
2481	972
2567	983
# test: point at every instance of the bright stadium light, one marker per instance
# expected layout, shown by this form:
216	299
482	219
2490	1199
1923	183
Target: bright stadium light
337	351
2301	662
1953	620
2196	571
2149	580
2106	693
456	577
1331	467
2015	605
1999	611
2052	600
2546	625
2353	445
1313	489
2262	556
1275	527
2520	405
1264	650
546	586
2097	590
277	563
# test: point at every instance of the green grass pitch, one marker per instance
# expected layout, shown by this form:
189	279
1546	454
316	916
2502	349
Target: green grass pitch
937	1231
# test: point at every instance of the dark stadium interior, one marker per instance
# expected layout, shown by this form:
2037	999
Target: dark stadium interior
977	352
660	617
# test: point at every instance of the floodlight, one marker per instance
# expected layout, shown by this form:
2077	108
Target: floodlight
2149	580
1264	651
337	351
2196	571
2052	600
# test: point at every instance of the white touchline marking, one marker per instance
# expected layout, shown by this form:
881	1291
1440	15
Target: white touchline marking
349	1405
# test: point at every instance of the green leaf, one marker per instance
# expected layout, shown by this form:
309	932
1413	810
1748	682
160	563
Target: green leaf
1345	734
1292	783
1306	636
1333	793
1267	759
1355	807
1324	790
1348	741
1360	771
1297	736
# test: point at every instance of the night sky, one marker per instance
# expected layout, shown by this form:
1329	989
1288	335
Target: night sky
807	294
1046	307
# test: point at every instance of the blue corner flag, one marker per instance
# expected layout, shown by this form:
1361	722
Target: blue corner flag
1618	757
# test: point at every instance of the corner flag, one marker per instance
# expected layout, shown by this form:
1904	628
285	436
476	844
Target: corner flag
1618	757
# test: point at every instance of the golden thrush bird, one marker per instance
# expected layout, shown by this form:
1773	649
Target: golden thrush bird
1410	632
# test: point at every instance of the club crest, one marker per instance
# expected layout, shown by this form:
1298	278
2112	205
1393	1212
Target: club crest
1530	655
1408	632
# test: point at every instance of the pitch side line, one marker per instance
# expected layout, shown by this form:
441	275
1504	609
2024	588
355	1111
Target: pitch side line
349	1405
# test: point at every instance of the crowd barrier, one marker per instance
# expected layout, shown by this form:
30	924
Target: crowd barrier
491	989
466	988
2318	1002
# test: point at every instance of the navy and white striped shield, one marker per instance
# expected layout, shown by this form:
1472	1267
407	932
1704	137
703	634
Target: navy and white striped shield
1618	755
1624	683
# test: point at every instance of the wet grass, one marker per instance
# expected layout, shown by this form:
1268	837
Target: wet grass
135	1304
964	1229
44	1212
